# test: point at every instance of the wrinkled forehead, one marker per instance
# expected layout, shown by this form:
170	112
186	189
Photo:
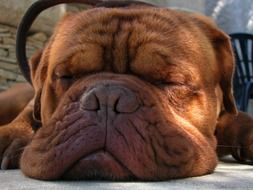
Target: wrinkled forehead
118	34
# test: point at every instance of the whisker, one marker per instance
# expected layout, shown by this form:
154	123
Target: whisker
231	146
228	146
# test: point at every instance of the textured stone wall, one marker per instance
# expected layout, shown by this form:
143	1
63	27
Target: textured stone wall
11	12
9	70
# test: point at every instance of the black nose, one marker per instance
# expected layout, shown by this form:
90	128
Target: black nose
118	98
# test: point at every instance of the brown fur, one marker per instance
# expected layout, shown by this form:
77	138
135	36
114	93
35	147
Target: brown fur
235	136
129	93
15	136
13	101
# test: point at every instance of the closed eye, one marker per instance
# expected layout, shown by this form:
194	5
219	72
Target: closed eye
66	77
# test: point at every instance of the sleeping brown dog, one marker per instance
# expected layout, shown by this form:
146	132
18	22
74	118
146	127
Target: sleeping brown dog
124	91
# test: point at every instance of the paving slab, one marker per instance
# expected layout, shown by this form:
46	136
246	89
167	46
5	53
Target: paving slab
227	176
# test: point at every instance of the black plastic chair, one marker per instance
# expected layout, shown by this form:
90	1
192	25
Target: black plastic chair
243	78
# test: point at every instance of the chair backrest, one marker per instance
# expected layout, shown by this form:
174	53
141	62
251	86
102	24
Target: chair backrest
243	78
243	50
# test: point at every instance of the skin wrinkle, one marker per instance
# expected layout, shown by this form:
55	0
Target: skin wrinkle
73	136
113	35
59	123
132	148
120	48
151	152
122	134
184	123
109	58
159	142
184	92
64	135
128	58
137	131
152	144
70	119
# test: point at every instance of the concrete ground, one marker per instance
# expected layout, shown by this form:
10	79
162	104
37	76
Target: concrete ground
228	175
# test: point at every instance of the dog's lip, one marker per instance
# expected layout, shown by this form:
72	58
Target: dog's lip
99	165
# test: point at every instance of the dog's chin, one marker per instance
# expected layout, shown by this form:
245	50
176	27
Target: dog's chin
100	165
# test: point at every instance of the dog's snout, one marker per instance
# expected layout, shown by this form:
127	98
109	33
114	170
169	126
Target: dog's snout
114	97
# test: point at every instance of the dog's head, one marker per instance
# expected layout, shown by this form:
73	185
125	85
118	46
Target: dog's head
129	92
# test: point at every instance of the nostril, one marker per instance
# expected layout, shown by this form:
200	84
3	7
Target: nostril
127	103
90	102
97	103
115	105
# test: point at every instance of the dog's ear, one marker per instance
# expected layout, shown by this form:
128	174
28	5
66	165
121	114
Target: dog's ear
38	65
37	110
34	62
224	58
